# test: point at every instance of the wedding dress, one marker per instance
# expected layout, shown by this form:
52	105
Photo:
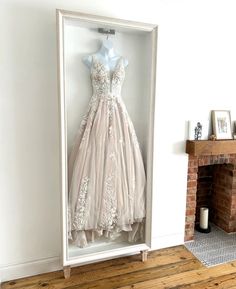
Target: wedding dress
106	173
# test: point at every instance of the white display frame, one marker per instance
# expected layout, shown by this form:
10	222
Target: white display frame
130	26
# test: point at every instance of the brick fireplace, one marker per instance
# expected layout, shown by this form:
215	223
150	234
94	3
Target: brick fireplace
211	182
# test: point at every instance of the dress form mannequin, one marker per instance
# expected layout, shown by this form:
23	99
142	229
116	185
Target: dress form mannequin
106	55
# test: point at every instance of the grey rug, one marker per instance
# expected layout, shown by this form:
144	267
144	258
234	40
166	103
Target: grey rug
214	248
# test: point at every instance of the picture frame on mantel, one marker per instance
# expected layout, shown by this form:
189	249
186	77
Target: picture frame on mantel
221	124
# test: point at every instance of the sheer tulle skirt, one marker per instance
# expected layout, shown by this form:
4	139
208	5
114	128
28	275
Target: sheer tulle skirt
106	176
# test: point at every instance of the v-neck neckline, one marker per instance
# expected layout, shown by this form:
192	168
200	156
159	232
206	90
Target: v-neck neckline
109	71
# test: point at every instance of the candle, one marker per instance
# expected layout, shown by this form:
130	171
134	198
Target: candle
204	212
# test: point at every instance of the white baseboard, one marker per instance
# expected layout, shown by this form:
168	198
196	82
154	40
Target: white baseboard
16	271
161	242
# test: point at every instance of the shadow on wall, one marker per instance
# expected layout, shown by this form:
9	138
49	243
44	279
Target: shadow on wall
179	147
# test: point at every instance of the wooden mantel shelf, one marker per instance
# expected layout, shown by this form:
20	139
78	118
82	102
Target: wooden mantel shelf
208	147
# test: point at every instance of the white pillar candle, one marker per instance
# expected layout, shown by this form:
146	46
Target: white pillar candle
204	212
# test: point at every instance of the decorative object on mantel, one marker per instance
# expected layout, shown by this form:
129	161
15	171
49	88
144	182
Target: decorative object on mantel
212	137
221	123
198	129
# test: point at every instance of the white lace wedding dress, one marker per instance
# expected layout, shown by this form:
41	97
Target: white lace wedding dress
105	172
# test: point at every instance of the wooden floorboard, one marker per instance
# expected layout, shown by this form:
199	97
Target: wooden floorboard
171	268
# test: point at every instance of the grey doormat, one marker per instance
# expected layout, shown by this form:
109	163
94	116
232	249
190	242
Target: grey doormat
216	247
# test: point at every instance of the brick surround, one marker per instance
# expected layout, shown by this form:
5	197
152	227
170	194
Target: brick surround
211	182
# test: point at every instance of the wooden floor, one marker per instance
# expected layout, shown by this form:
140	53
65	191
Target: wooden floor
174	268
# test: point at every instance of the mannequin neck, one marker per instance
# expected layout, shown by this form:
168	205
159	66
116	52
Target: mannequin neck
107	49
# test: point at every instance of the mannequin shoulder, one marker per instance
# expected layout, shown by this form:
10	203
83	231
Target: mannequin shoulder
87	60
125	61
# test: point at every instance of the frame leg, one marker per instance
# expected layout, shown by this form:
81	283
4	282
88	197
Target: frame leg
66	270
144	255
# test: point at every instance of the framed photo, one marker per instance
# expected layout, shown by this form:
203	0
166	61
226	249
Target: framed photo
198	129
221	124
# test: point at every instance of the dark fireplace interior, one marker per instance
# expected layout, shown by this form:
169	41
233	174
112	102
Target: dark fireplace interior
211	184
205	189
214	190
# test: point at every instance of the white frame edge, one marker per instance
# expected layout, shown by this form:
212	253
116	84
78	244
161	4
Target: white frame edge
63	143
61	16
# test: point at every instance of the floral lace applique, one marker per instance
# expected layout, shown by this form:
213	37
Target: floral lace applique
118	78
80	210
100	77
109	215
87	119
105	82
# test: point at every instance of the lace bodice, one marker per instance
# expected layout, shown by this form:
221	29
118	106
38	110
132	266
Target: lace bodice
107	82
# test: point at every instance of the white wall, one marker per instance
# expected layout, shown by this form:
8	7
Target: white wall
196	73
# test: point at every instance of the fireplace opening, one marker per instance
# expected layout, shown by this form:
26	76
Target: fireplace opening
215	191
211	184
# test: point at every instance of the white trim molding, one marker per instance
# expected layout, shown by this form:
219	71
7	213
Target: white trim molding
16	271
